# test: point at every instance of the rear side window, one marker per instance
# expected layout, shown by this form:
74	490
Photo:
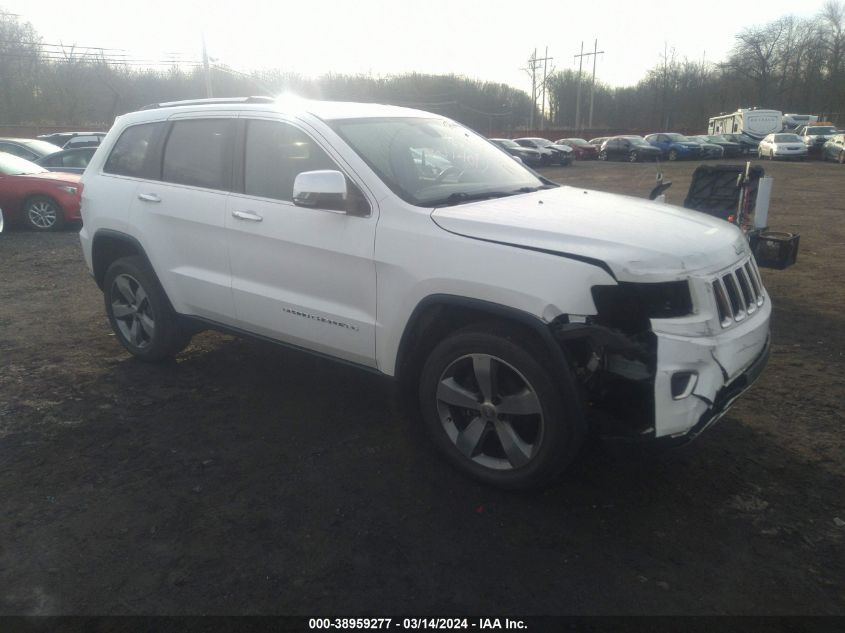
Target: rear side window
76	159
275	154
199	153
132	154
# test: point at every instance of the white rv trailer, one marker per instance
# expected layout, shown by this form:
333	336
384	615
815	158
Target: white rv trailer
749	122
794	121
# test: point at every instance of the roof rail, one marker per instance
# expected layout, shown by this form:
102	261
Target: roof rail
218	101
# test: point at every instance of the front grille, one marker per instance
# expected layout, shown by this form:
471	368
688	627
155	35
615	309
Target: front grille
739	293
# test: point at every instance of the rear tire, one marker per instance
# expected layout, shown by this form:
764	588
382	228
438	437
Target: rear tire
673	155
139	312
497	410
633	157
602	155
841	158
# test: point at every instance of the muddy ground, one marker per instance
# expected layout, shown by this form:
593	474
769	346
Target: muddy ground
245	478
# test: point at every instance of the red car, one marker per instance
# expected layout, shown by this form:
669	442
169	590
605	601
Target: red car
43	200
583	150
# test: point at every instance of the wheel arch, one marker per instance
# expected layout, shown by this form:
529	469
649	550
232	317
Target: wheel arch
109	245
438	315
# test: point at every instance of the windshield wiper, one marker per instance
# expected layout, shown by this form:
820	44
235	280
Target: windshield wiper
462	196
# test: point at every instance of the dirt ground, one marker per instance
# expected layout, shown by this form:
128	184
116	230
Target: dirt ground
247	479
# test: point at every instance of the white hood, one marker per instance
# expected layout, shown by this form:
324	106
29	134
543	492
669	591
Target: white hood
639	240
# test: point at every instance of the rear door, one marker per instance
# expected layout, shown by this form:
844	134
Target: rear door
305	276
181	215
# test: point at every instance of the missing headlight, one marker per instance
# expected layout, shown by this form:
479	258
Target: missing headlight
629	306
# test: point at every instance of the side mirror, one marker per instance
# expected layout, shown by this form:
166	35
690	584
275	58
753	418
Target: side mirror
321	189
517	159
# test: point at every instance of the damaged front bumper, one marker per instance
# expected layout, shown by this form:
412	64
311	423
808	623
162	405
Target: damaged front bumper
666	361
720	369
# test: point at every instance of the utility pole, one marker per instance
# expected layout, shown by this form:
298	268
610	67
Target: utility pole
546	59
531	69
578	91
206	68
596	53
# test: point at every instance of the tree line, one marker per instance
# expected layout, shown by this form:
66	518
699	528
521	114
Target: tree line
792	64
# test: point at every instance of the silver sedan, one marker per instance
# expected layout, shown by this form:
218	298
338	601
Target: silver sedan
787	146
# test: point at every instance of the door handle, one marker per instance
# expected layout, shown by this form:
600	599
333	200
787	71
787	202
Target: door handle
149	197
247	215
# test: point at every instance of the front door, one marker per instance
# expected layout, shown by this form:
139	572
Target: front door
304	276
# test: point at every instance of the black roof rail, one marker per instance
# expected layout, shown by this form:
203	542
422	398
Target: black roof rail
217	101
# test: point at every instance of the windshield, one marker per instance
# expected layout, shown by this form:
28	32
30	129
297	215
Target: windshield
573	141
787	138
823	129
637	140
429	162
15	166
677	138
542	142
506	142
718	138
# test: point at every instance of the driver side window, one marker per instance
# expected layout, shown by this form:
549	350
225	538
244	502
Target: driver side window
276	153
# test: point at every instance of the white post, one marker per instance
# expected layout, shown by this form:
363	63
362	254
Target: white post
761	205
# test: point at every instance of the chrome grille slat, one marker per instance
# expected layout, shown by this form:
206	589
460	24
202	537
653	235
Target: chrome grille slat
738	292
753	280
747	290
735	295
723	304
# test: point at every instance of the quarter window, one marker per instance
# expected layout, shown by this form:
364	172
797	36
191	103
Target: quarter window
199	153
275	154
132	154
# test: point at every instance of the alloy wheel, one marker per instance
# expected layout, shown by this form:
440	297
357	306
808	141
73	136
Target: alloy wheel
132	311
490	412
42	214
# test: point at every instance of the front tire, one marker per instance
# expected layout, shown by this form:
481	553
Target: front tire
841	158
602	155
633	157
497	411
42	213
140	313
673	155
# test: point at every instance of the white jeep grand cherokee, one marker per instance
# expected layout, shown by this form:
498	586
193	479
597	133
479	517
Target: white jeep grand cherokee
523	314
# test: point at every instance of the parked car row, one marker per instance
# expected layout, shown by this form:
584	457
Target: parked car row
669	145
537	152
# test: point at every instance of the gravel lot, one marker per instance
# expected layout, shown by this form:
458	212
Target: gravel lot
248	479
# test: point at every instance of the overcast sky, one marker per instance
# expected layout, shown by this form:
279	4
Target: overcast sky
487	39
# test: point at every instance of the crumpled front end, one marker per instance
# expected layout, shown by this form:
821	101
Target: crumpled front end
668	359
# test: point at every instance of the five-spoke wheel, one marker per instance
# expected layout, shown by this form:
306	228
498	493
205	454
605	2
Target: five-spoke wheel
490	411
139	312
499	408
132	310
